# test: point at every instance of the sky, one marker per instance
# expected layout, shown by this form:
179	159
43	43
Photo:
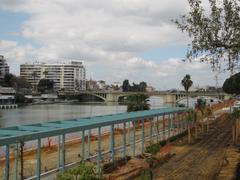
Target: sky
116	39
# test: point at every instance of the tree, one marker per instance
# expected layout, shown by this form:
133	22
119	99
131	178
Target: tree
191	119
215	32
126	86
137	102
34	75
7	79
187	83
142	86
45	73
232	84
45	85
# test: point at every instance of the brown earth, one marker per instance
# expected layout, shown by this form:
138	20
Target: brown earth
206	159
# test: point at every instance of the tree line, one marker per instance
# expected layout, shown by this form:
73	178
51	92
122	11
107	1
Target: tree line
19	83
141	87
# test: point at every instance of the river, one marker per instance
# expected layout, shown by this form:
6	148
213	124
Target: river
52	112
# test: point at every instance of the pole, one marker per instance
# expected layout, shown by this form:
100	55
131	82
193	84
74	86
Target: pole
7	163
63	152
134	137
143	135
15	175
129	130
150	121
83	143
39	160
59	146
124	140
164	137
89	136
99	149
112	142
157	128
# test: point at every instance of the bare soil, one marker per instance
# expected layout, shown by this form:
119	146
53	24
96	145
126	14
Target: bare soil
206	159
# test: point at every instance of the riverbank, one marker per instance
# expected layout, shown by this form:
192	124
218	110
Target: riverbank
73	148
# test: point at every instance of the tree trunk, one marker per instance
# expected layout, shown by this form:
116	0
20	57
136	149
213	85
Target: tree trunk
236	132
187	98
202	124
196	131
21	160
189	134
207	124
233	133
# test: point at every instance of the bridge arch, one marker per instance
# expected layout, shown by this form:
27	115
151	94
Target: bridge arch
90	96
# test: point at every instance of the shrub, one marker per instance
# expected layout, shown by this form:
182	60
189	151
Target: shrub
153	148
82	172
146	174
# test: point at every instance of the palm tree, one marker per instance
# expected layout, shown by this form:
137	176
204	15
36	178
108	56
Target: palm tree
45	73
191	119
34	75
187	83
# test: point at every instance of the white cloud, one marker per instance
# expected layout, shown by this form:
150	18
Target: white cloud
106	34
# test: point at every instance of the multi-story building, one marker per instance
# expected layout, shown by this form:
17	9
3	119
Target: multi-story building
66	76
4	68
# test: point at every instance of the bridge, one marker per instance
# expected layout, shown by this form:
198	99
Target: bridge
168	97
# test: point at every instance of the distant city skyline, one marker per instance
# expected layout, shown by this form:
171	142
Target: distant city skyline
117	40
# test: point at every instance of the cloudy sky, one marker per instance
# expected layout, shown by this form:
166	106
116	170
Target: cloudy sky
117	39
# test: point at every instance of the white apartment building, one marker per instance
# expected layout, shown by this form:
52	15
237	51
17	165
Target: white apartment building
4	68
66	76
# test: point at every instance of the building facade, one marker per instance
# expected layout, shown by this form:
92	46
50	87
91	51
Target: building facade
4	68
66	76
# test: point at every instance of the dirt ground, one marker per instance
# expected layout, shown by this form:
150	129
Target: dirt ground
211	157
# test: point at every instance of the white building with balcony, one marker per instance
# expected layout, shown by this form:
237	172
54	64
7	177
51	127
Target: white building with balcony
4	68
66	76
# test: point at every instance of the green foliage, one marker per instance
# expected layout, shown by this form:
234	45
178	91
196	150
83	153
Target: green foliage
201	105
235	114
16	82
187	82
126	86
191	116
215	31
82	172
232	84
153	148
45	85
146	174
137	102
19	98
141	87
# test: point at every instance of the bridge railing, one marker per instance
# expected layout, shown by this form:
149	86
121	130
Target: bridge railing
136	127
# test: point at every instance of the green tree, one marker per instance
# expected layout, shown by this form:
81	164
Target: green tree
191	119
137	102
7	80
187	83
45	73
232	84
126	86
45	85
142	86
215	32
34	75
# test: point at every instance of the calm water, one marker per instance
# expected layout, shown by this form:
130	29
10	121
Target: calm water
52	112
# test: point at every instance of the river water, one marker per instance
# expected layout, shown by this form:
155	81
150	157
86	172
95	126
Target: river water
52	112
